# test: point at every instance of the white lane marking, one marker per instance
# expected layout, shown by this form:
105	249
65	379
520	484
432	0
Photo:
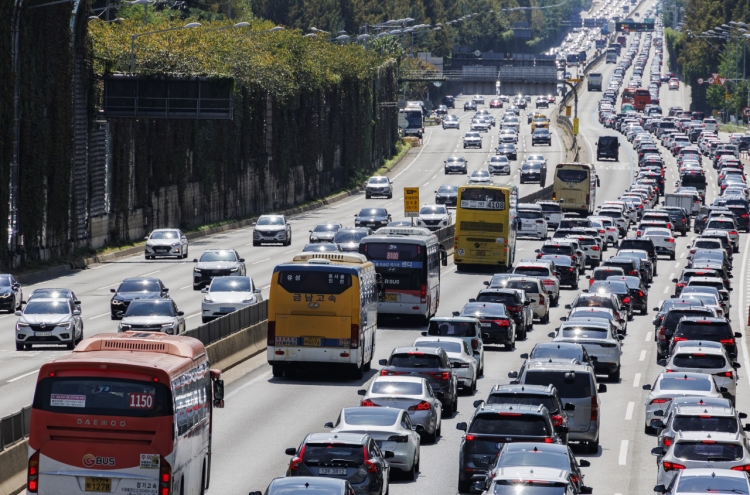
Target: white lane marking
150	273
741	309
245	385
261	261
648	336
192	316
623	453
676	265
7	316
666	289
637	380
108	286
425	184
23	376
99	316
682	255
266	287
643	355
629	411
424	145
671	276
183	288
249	243
290	251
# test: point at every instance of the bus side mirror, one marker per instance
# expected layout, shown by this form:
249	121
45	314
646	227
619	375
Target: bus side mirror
218	391
380	287
443	256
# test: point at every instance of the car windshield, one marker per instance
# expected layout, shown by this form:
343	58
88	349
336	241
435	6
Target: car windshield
383	416
712	484
536	457
472	134
708	450
705	422
373	212
271	221
397	388
321	248
378	180
346	236
685	383
220	255
326	227
525	399
139	286
150	308
231	284
509	424
451	329
433	210
569	385
165	234
50	293
447	189
47	307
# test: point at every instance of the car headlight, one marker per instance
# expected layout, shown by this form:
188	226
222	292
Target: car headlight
117	302
5	296
234	269
175	244
65	325
21	325
165	325
124	327
196	270
149	243
313	238
249	299
208	299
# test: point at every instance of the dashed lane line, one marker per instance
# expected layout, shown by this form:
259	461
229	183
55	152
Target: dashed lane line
637	380
23	376
623	453
643	355
99	316
629	411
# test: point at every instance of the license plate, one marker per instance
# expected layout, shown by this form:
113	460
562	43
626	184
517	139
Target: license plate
312	341
391	297
480	253
43	334
370	224
98	485
334	471
226	310
486	324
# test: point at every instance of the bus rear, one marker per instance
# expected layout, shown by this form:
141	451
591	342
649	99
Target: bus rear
641	98
322	311
122	414
485	226
574	187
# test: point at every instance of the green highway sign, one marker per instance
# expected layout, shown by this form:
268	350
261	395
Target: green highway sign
629	26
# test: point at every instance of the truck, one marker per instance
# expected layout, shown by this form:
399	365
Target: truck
595	81
612	52
411	119
600	43
622	40
689	202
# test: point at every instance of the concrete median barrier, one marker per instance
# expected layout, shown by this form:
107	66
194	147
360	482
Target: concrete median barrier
13	468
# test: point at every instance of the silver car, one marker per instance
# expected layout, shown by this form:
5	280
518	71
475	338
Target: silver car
153	315
600	339
704	357
461	357
50	322
216	263
451	122
273	229
434	217
472	139
499	165
348	239
324	232
228	294
669	386
697	414
391	428
379	185
508	135
166	242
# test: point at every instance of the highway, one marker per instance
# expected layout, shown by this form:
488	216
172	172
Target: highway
263	415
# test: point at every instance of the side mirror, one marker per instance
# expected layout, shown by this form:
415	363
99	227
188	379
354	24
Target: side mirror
567	306
165	289
723	390
647	386
195	260
737	335
462	426
746	427
569	407
218	393
478	403
77	312
291	451
443	257
242	260
602	388
456	313
563	318
257	291
656	309
657	451
113	291
440	395
388	454
527	303
486	282
74	302
383	362
18	313
255	493
513	374
742	415
525	355
660	489
674	280
204	291
584	463
661	362
328	425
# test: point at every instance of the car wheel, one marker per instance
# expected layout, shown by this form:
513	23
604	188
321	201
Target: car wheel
615	377
464	486
204	319
672	256
256	243
521	334
411	475
545	319
19	346
367	196
592	447
390	195
448	410
511	345
357	372
430	438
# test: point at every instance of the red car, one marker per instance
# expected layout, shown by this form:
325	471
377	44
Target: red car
496	104
551	98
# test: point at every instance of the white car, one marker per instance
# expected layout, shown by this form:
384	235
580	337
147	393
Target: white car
508	136
391	428
228	294
591	247
478	99
472	139
704	357
552	213
701	480
166	242
600	339
606	228
499	165
670	385
663	240
461	357
480	126
434	217
544	270
481	176
531	221
727	225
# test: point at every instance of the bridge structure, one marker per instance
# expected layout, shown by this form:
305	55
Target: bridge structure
483	79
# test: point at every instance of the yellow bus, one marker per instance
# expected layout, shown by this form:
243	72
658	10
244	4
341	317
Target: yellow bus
575	186
485	226
322	312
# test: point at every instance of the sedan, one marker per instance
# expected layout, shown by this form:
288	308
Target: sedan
541	136
480	177
135	288
434	217
508	136
324	232
455	164
702	449
391	428
461	357
472	139
228	294
706	480
451	122
216	263
600	339
414	395
447	194
166	242
153	315
373	218
496	103
11	293
508	150
668	386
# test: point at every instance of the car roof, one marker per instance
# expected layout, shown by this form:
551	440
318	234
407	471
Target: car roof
454	340
403	379
722	436
303	483
521	473
423	350
708	472
464	319
523	389
515	408
340	437
555	365
686	410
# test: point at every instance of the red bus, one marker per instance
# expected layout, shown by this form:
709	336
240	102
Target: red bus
641	98
127	413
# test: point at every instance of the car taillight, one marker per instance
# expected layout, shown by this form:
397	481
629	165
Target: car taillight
660	401
548	282
557	420
594	408
422	406
591	281
745	215
502	323
667	441
469	438
368	403
423	293
165	477
32	473
354	342
475	344
681	284
727	341
442	375
725	374
672	466
514	308
634	272
680	339
746	467
541	299
271	339
734	232
595	248
572	256
371	467
548	440
626	300
391	373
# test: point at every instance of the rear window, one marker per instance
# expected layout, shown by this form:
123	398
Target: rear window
528	287
380	416
685	383
415	360
712	331
446	346
673	317
499	298
584	332
712	484
708	450
704	423
530	214
509	424
698	360
525	399
397	388
576	387
451	329
326	453
637	244
604	274
532	271
551	208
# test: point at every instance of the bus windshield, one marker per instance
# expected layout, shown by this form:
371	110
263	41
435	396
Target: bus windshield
570	175
402	265
481	198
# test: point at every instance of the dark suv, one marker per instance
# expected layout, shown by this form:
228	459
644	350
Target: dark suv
534	395
679	218
431	363
494	425
516	304
644	244
135	288
354	457
669	324
711	329
449	101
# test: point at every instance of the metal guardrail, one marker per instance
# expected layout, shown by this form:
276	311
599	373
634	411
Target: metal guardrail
215	330
15	427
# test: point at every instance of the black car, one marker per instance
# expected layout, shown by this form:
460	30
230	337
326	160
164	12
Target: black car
516	304
679	218
565	269
373	218
669	322
638	292
741	216
470	105
449	101
447	195
618	288
507	149
533	172
491	427
710	329
11	294
430	363
455	164
541	136
135	288
354	457
608	147
644	244
497	324
534	395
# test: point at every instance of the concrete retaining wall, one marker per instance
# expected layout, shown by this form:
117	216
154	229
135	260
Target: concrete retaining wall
13	468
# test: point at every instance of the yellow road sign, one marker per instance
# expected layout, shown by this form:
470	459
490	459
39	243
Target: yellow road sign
575	80
411	201
568	110
575	126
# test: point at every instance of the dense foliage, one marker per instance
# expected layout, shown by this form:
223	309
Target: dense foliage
6	113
